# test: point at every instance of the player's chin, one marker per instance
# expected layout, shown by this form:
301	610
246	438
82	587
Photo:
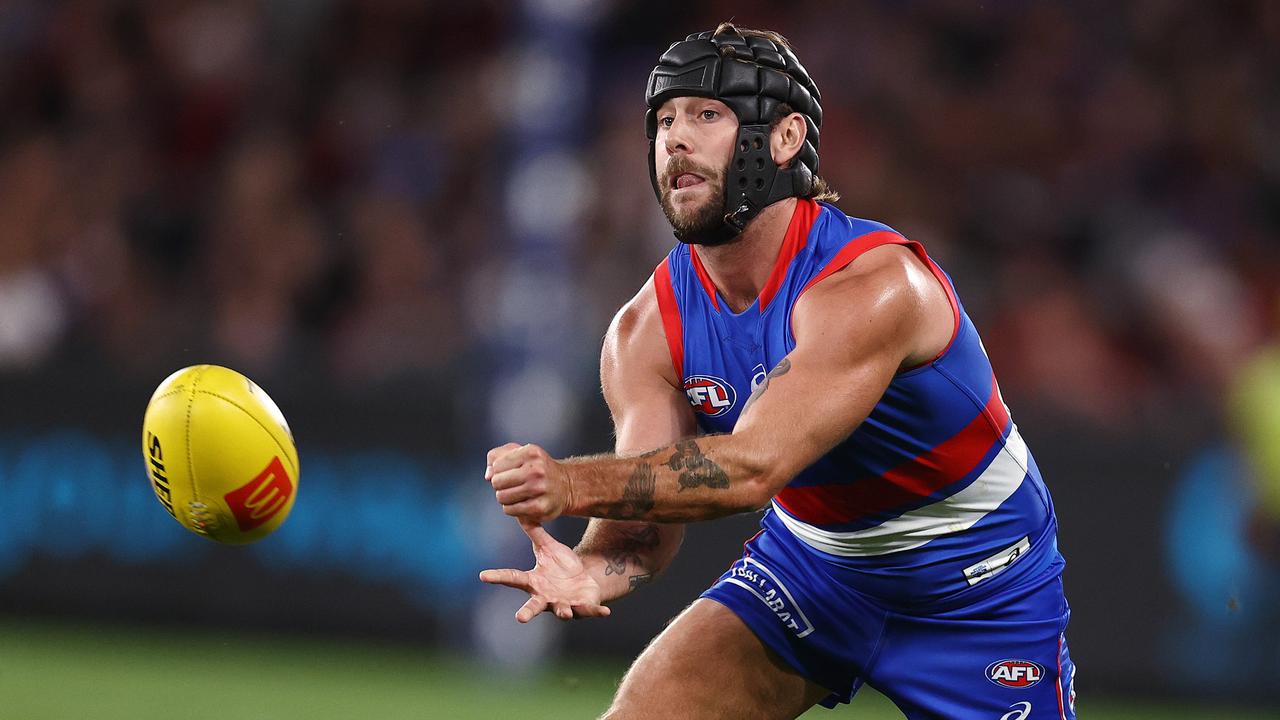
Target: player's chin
687	211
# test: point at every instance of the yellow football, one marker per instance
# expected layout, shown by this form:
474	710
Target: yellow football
220	455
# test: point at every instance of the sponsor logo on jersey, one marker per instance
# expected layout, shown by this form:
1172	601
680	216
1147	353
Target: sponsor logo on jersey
997	563
760	581
258	500
1019	711
1015	673
709	395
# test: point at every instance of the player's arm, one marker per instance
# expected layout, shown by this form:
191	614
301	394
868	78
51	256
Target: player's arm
854	331
614	557
649	410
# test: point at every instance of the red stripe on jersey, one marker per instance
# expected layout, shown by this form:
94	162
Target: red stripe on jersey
907	483
704	278
1062	711
872	240
797	237
851	251
671	324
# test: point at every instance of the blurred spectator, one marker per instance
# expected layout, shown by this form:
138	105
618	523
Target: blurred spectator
401	315
32	307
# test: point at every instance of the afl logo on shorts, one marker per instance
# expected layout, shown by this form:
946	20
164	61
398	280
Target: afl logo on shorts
1015	673
710	396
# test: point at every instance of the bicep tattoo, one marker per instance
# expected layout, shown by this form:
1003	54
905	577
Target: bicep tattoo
782	368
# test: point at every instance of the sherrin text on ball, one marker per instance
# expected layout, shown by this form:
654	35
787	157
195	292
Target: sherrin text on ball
220	455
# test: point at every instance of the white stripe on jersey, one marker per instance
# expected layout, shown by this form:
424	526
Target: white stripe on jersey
1002	477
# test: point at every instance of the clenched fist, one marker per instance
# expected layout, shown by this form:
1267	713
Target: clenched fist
528	482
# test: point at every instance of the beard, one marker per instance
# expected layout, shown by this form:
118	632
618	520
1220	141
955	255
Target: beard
695	225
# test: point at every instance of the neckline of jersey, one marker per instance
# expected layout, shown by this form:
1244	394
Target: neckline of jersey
795	240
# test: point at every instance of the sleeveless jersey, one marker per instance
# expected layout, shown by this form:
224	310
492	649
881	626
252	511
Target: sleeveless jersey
934	493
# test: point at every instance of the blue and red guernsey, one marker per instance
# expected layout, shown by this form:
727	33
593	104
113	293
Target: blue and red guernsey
935	492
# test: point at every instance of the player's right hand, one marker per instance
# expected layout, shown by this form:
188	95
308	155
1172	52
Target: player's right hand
557	581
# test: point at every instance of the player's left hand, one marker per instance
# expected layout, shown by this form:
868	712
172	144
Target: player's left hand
527	482
558	581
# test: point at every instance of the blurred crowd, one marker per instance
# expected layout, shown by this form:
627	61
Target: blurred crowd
283	186
318	184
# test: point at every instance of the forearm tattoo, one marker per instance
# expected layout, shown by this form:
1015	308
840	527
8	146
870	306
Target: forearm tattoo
634	543
697	469
637	496
782	368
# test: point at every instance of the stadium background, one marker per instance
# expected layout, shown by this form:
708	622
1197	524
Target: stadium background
411	222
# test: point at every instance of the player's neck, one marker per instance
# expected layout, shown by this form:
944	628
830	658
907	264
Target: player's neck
740	268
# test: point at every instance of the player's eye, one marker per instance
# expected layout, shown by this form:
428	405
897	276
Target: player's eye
666	120
710	114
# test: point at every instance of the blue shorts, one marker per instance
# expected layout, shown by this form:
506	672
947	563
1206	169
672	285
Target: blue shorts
1001	655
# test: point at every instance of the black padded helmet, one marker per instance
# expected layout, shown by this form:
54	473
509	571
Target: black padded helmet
753	76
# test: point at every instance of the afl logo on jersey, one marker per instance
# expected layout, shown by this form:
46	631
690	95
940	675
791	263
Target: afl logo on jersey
1015	673
710	396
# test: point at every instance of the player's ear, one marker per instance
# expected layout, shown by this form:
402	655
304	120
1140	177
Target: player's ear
786	138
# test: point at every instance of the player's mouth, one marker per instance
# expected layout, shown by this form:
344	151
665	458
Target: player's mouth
685	180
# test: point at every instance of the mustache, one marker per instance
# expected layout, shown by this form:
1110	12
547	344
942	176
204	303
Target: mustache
679	164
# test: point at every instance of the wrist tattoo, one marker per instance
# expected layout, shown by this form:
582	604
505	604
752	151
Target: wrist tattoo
698	469
634	542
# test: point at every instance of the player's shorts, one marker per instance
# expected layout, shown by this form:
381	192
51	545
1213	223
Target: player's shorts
1002	656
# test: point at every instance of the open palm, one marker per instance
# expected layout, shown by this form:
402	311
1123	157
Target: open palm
557	581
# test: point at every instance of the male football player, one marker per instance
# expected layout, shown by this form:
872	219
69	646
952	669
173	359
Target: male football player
787	356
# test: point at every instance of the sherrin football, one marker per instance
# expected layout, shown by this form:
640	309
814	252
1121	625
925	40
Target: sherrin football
220	455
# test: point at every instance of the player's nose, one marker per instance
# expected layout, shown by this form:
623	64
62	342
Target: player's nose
677	139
